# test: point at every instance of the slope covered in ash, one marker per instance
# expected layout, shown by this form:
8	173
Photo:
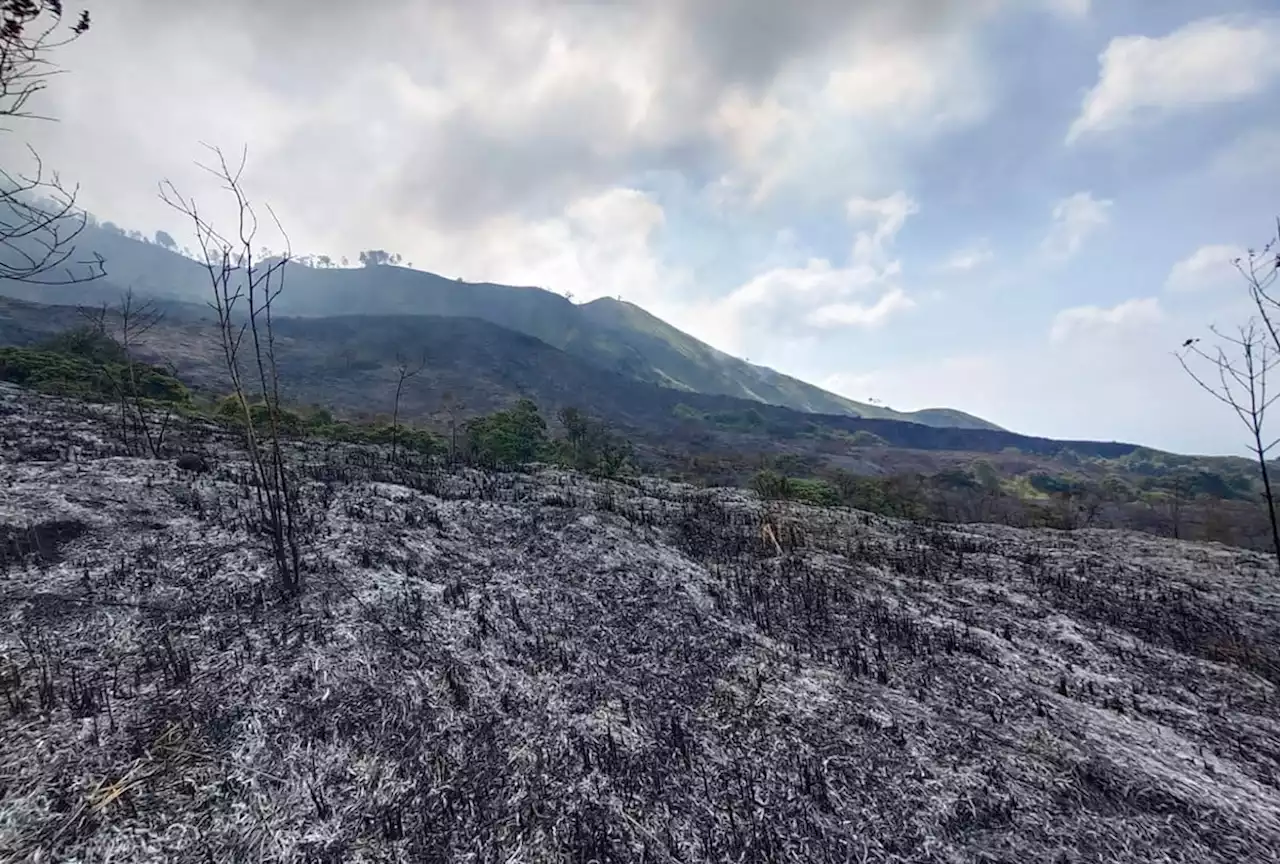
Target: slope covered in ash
542	667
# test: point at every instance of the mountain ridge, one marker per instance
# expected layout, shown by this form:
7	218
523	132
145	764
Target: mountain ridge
611	334
315	363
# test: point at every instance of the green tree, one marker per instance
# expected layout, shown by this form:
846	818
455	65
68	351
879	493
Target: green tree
576	429
509	438
589	445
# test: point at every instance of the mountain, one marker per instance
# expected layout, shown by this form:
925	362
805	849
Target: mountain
348	362
697	366
610	334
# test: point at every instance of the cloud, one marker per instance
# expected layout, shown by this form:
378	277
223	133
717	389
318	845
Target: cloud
1107	376
1206	62
453	112
1075	218
1102	390
969	258
845	123
603	245
1207	267
1090	323
484	139
1253	155
889	215
861	314
794	301
1073	9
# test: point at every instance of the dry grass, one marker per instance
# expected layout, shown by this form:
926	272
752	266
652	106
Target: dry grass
530	668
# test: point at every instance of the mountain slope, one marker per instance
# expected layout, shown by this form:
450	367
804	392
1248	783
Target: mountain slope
548	668
612	335
700	367
348	362
348	365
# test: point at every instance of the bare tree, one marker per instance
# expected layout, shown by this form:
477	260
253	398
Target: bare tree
28	33
1242	381
453	406
39	221
1241	364
405	372
1260	268
235	274
1175	501
138	431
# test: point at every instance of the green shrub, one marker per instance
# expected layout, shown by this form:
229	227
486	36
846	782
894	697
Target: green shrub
508	438
771	485
817	492
88	343
1052	483
68	374
890	496
863	438
589	445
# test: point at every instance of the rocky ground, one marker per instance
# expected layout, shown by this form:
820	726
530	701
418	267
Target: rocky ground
541	667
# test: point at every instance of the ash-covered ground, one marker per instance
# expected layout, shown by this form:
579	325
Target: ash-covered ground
542	667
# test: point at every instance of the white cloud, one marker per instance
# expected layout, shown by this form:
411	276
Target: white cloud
1207	267
1089	323
1108	376
889	214
1205	62
1102	390
969	258
1074	9
601	246
861	314
456	112
1074	219
818	295
1254	155
845	121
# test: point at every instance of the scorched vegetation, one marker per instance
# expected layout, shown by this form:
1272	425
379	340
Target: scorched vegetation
536	666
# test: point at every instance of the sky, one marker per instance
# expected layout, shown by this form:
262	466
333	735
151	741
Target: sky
1016	209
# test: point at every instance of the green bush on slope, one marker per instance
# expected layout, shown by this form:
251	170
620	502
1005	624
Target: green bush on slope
87	365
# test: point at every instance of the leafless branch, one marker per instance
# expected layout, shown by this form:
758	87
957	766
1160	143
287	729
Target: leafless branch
1242	386
235	275
405	372
39	220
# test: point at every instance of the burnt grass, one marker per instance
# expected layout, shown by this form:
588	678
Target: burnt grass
543	667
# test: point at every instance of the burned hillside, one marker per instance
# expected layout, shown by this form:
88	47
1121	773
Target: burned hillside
541	666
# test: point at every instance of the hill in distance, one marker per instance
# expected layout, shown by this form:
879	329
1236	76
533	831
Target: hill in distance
348	366
610	334
349	361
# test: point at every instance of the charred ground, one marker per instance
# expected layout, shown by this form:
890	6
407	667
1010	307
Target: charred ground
542	667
